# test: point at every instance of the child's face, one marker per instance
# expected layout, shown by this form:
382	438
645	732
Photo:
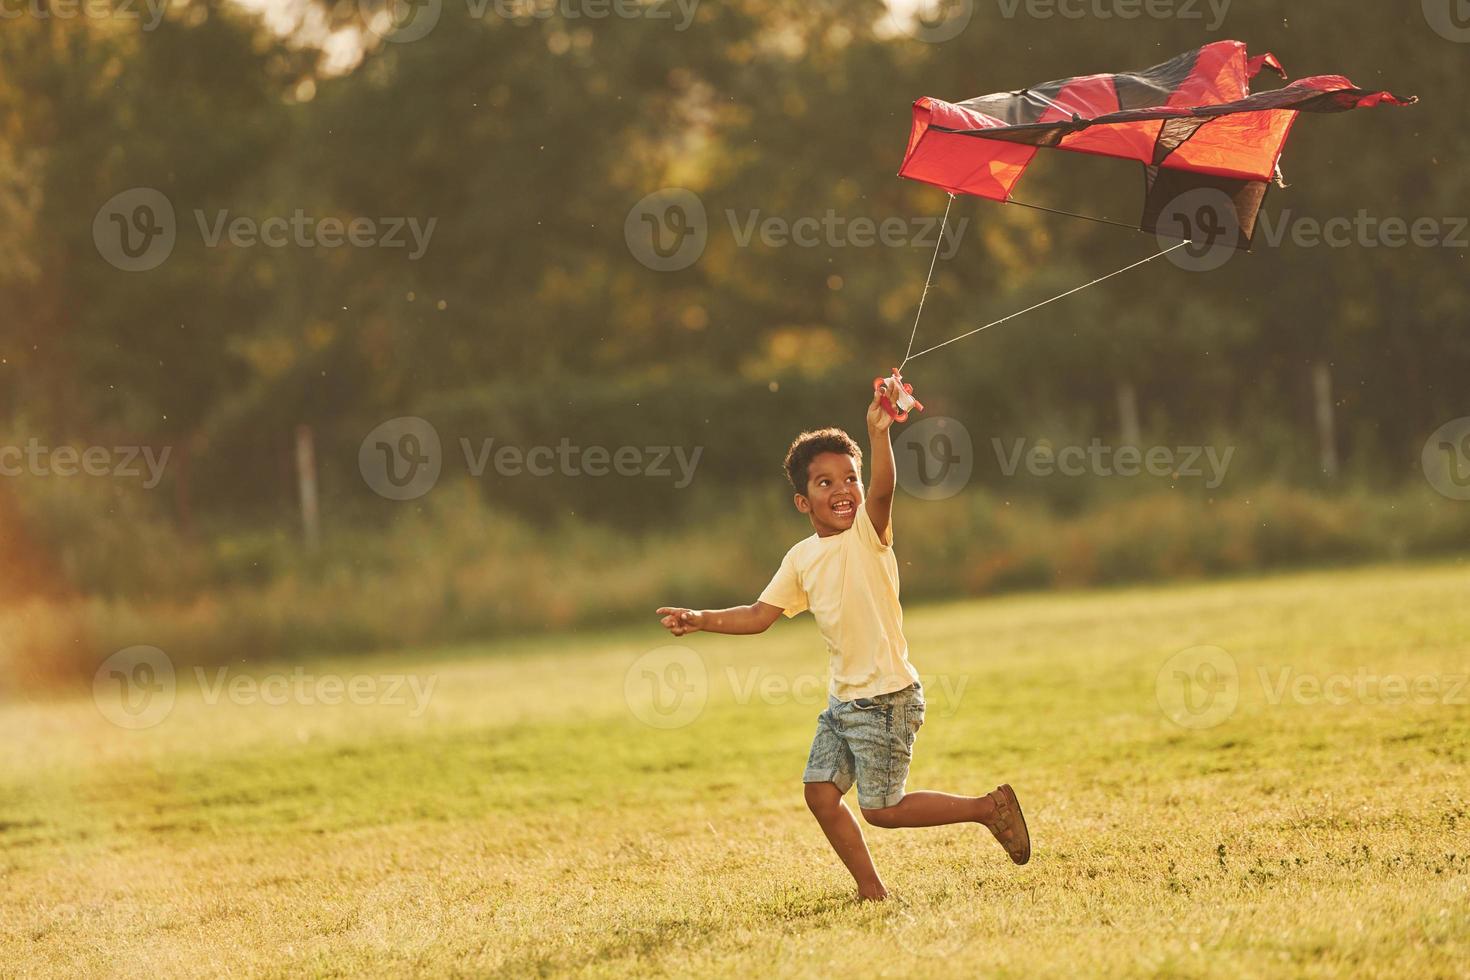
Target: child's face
834	492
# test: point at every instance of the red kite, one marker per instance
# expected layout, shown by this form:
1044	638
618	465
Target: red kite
1192	122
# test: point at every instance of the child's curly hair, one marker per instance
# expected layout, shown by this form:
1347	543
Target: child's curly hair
810	444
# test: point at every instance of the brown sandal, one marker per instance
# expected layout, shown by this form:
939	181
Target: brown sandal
1009	825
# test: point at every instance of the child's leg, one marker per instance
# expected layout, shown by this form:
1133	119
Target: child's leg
930	809
999	811
829	773
845	836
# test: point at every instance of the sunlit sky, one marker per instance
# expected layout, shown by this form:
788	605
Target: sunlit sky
305	19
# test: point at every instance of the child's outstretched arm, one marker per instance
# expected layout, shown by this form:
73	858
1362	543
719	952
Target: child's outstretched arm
739	620
880	451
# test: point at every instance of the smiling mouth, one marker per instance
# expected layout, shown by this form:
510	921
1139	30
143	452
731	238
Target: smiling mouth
844	508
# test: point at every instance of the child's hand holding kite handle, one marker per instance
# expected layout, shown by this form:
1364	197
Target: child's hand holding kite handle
894	397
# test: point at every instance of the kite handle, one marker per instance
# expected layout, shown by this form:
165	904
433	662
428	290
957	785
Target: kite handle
906	401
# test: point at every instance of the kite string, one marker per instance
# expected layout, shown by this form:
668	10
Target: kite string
930	280
1074	214
1038	306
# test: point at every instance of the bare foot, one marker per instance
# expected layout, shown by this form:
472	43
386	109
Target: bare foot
872	893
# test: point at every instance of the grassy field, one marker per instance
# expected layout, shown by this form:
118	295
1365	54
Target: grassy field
519	815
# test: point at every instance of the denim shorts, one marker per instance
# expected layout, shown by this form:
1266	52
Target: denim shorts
868	741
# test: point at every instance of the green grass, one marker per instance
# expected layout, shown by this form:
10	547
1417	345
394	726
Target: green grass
527	823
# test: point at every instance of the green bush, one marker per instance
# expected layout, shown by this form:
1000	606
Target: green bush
456	569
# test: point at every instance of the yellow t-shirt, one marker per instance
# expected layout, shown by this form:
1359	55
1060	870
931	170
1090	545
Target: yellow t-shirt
850	583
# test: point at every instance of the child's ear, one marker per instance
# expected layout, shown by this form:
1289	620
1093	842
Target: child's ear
802	504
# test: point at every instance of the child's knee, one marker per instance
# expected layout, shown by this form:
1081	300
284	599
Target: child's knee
822	798
879	817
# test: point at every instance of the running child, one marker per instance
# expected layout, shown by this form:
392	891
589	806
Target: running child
846	574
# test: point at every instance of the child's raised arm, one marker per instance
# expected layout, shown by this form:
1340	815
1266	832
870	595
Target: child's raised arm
880	451
738	620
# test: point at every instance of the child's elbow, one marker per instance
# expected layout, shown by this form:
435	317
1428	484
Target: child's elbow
766	618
